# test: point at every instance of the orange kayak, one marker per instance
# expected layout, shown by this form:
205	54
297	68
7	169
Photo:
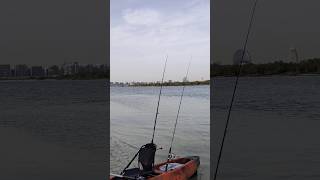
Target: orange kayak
184	169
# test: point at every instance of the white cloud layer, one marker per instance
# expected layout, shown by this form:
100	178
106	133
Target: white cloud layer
142	39
141	16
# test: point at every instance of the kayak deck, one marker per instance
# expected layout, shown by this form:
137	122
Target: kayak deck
184	168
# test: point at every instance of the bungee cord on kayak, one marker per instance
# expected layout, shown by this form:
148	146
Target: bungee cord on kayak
235	88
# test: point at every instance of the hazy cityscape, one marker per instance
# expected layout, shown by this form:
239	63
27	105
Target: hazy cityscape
72	70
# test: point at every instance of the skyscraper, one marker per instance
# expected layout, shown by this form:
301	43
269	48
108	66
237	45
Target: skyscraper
37	71
21	70
293	57
5	70
237	57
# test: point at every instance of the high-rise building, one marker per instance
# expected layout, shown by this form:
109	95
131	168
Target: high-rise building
21	70
294	55
70	68
53	71
5	70
37	71
241	57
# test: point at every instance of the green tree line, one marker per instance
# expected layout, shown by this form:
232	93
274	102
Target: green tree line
176	83
309	66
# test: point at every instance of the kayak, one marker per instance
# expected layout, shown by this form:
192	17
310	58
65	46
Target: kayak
177	169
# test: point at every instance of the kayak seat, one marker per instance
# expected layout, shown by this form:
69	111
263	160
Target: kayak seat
146	157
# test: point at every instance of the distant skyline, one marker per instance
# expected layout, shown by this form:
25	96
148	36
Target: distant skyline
278	27
44	65
143	32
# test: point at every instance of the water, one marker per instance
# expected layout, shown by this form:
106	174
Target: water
132	116
57	129
274	128
53	129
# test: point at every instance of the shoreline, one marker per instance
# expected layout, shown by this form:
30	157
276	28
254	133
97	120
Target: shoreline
193	83
270	75
164	85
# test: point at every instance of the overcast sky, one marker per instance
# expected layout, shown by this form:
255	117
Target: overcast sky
143	32
45	32
279	25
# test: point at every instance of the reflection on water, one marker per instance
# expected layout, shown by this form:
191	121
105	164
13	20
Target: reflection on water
132	116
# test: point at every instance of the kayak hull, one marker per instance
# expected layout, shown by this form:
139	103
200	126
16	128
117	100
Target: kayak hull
188	168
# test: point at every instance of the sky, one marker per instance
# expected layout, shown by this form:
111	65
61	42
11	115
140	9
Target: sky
278	26
144	32
47	32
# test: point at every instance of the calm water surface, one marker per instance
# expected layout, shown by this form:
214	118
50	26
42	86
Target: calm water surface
53	129
132	116
274	128
58	128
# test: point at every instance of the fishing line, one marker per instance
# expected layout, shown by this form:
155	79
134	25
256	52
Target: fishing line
157	111
126	143
176	122
235	88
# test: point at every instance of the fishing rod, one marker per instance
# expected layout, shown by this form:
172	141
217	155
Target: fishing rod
235	87
157	111
122	176
176	122
155	120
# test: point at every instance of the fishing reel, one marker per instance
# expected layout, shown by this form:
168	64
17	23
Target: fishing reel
172	156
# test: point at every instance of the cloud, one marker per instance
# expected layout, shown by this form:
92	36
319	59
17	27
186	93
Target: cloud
147	35
141	16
